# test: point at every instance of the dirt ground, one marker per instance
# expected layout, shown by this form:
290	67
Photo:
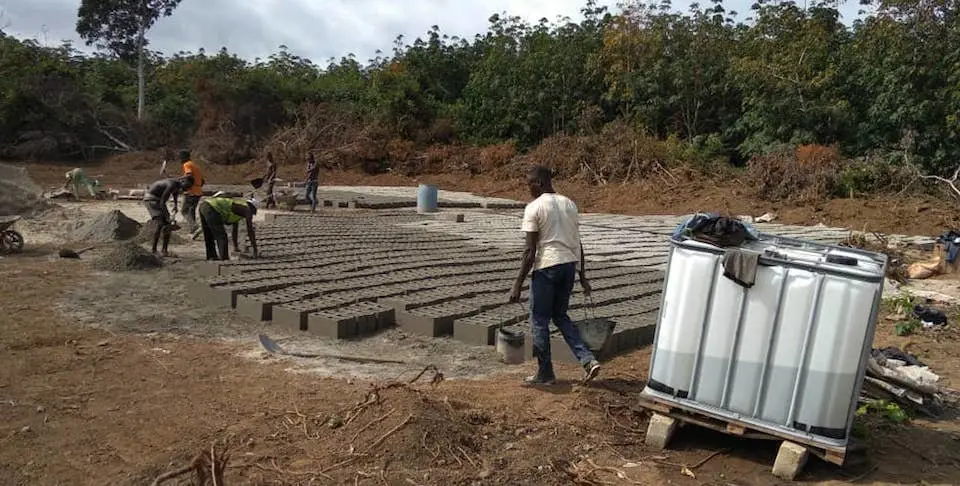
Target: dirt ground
904	215
115	378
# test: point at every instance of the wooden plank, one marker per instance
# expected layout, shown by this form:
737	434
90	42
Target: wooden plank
684	413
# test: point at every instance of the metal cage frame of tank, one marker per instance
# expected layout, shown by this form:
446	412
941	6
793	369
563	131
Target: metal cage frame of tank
776	429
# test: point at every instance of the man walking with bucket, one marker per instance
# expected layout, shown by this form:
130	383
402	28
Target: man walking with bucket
553	251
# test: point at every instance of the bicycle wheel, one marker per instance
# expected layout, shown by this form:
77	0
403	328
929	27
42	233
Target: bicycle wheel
11	242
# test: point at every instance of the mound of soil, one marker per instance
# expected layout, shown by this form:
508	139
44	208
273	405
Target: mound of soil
125	256
19	195
107	227
148	228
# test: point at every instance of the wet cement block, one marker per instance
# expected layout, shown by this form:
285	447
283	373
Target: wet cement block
208	269
332	326
221	296
476	333
249	306
644	335
425	325
293	319
386	318
198	290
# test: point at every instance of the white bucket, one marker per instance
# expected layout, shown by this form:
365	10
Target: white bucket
510	346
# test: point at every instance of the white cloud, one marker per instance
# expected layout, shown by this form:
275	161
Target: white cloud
318	29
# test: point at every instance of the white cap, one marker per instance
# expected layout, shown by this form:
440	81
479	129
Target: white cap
253	201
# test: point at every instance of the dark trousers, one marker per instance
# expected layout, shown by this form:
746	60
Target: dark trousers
550	291
214	233
189	210
271	202
312	194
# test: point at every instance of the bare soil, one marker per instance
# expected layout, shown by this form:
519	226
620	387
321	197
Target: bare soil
115	378
123	397
912	215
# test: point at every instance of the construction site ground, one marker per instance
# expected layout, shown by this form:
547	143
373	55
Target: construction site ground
118	377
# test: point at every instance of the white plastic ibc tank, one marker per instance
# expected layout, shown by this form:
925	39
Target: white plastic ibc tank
786	353
686	297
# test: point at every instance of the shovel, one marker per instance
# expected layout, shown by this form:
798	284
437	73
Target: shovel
273	348
68	253
595	331
257	183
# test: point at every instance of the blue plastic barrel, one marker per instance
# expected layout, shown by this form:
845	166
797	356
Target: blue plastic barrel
427	198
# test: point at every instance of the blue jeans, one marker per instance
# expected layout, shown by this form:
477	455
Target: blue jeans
550	291
312	194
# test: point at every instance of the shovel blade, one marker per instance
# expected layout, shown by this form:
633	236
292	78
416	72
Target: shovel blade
270	345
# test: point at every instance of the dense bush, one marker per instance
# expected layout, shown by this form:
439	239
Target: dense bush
616	96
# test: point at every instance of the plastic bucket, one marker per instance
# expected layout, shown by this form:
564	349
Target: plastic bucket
427	198
510	346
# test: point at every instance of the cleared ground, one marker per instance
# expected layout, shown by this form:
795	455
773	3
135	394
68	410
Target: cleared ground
113	378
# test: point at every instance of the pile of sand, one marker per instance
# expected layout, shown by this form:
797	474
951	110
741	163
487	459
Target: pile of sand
127	255
19	195
148	229
105	228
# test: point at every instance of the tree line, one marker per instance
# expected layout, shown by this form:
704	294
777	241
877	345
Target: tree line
723	84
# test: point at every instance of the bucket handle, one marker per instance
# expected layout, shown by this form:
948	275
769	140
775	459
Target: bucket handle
589	311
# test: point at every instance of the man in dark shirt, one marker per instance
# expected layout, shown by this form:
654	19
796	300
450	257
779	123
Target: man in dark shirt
313	171
270	178
155	199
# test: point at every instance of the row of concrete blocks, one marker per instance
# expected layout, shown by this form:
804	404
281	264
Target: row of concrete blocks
395	260
262	282
477	291
362	318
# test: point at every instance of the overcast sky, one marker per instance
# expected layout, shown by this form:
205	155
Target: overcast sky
317	29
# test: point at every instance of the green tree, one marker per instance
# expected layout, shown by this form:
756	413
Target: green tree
121	27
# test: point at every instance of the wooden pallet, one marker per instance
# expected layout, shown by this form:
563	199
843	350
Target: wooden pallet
793	450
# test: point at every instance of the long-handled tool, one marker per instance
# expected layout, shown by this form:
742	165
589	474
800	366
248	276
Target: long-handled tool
273	348
68	253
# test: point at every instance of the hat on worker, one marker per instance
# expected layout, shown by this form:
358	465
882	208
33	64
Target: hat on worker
254	204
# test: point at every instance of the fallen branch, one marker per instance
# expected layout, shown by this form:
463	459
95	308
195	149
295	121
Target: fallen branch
952	182
388	434
121	144
437	375
374	421
205	467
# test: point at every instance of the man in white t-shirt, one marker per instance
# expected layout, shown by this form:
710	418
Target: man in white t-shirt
553	251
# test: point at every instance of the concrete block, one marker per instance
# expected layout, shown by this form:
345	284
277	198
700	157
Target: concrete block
223	297
790	461
645	334
475	333
209	269
198	290
398	303
293	319
366	324
332	326
386	318
424	325
250	307
660	431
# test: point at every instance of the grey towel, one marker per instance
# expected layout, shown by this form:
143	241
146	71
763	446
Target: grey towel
741	266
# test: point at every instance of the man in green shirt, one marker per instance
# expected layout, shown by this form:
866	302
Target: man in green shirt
76	178
215	213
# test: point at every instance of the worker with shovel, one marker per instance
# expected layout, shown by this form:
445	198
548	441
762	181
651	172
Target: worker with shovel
155	199
553	251
215	213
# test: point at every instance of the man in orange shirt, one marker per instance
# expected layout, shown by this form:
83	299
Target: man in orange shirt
191	197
